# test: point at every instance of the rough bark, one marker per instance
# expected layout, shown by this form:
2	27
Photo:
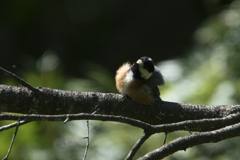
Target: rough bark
52	101
40	104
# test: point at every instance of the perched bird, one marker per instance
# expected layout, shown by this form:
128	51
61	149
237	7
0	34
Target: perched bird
140	81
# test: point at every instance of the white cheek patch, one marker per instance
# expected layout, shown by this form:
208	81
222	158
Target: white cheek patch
144	73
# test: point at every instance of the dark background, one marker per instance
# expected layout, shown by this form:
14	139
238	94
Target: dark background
84	40
107	32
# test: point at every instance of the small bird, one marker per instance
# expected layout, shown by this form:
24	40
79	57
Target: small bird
140	81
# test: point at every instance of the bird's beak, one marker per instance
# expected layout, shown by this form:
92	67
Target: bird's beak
139	62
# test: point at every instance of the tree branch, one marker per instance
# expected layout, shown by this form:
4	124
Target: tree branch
196	125
20	80
80	116
194	139
12	125
161	117
14	135
137	145
87	144
53	101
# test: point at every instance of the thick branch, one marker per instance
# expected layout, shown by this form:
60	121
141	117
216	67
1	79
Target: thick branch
53	101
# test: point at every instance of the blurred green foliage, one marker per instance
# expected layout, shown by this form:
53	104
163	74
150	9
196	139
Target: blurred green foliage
209	75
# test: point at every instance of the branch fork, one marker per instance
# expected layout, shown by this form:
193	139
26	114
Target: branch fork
215	123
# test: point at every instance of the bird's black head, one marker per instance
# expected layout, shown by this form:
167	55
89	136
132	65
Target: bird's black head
146	67
147	63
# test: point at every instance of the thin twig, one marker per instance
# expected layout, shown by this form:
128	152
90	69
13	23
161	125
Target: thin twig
66	120
95	111
188	129
10	148
165	138
21	81
12	125
137	145
87	145
81	116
